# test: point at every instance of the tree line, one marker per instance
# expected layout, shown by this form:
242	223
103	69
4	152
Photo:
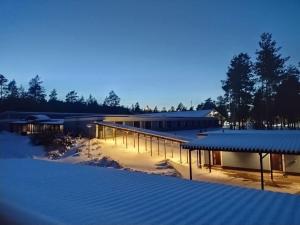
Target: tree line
35	98
265	91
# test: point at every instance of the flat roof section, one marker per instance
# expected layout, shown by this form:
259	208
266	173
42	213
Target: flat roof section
57	193
261	142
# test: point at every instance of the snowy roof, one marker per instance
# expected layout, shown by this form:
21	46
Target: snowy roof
153	133
54	122
38	117
267	142
199	113
56	193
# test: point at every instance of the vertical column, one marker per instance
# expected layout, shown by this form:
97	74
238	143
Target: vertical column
190	163
165	149
151	145
261	171
200	163
209	161
126	139
271	166
187	156
138	142
180	152
158	146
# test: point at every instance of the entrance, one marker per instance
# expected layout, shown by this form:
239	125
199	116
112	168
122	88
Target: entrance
276	160
216	158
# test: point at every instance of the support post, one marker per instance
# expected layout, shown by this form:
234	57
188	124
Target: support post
126	139
138	142
190	163
158	146
187	157
200	161
209	161
165	149
197	158
180	148
271	167
151	145
261	171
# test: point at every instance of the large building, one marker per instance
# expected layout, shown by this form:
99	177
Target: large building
164	121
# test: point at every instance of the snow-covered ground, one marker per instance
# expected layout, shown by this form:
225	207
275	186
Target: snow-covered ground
108	154
17	146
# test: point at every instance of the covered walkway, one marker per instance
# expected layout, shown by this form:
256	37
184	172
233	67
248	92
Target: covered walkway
109	130
262	144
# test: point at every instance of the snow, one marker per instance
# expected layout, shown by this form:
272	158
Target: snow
16	146
277	142
199	113
42	192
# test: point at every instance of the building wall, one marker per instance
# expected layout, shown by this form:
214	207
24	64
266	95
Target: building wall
292	163
244	160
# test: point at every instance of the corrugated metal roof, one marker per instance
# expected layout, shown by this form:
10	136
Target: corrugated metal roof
153	133
273	142
57	193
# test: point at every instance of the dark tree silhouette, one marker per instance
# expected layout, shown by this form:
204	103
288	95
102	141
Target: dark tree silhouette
53	96
287	99
72	97
112	100
239	88
36	91
181	107
12	90
3	82
269	68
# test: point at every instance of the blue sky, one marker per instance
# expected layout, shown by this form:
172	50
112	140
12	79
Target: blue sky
156	52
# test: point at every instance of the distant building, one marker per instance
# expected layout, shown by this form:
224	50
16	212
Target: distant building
37	124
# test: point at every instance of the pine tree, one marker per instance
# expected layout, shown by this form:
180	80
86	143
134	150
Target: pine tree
239	88
53	96
269	68
12	90
287	99
172	109
208	104
3	82
112	100
155	110
181	107
36	91
72	97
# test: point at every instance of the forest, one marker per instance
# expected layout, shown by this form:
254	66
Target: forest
264	93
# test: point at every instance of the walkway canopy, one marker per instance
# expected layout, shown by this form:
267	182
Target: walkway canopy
151	133
282	143
263	143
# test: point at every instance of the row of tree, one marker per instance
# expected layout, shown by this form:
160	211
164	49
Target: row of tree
35	98
266	91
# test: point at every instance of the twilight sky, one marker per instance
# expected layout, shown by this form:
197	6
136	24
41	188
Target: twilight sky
156	52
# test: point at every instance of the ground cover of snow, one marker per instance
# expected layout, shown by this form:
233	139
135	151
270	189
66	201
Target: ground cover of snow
117	156
17	146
